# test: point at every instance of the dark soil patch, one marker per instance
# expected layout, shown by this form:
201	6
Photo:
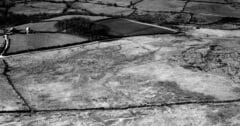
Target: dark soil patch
211	58
224	114
84	27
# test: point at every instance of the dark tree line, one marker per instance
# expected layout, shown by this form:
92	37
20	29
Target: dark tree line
5	6
84	27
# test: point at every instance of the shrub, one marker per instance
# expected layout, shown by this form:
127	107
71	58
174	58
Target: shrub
83	27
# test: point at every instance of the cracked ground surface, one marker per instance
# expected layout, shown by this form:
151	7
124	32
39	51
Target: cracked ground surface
185	78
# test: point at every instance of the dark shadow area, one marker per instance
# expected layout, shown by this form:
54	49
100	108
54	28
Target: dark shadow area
226	20
126	27
84	27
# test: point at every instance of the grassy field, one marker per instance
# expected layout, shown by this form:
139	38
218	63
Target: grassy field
103	9
20	42
91	18
76	30
38	8
161	5
116	2
49	25
125	27
66	30
224	10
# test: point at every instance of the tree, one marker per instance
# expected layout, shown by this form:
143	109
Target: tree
25	1
6	5
84	27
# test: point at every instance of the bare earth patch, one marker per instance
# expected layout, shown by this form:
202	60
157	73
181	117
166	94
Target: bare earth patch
118	73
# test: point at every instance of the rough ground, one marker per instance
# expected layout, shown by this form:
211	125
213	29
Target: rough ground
190	78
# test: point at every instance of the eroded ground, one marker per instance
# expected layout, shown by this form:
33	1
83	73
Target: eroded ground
185	78
126	74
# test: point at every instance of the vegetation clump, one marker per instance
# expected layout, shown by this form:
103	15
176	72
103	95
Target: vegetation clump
211	58
83	27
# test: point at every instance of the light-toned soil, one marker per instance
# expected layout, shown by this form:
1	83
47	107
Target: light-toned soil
131	71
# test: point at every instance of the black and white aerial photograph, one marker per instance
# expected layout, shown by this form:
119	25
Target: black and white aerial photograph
119	62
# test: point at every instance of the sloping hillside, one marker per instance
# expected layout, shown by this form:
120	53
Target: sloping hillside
120	63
